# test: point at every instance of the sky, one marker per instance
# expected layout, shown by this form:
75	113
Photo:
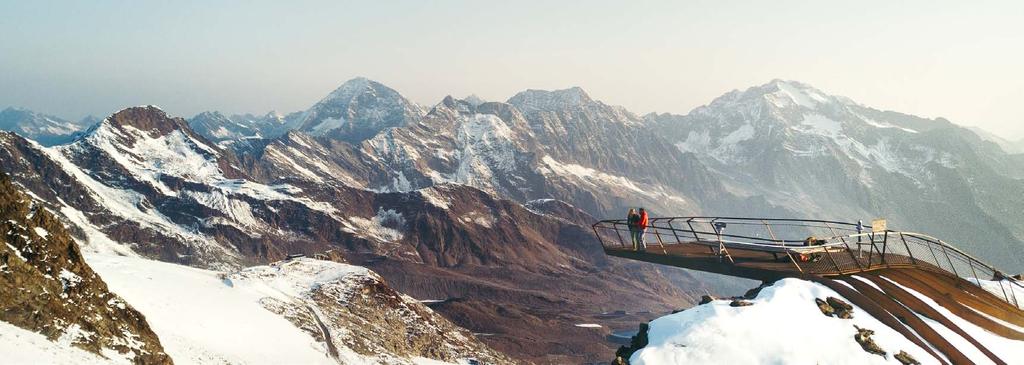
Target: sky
955	59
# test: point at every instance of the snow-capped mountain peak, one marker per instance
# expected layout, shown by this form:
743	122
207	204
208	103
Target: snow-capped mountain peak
357	110
792	93
474	99
45	129
351	89
779	96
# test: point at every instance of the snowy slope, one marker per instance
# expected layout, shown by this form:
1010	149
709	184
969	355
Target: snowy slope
260	315
23	347
201	319
784	326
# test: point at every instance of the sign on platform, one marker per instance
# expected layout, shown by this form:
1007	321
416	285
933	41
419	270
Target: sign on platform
878	225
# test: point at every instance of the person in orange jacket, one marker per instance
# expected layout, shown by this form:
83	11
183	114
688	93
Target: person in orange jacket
642	225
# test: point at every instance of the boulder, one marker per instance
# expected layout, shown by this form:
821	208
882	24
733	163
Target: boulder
863	337
842	309
825	308
619	360
638	342
904	358
705	299
740	303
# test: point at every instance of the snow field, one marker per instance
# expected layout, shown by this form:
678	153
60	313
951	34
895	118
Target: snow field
784	326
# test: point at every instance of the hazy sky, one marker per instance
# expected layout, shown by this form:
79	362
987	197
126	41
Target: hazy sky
961	60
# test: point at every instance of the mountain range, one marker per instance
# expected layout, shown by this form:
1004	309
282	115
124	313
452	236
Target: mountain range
483	207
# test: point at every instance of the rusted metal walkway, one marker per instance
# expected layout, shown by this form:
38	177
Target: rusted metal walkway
767	249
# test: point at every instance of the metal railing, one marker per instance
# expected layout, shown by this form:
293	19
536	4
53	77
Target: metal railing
837	248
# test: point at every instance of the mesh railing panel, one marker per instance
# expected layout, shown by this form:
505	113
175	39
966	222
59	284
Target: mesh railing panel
847	251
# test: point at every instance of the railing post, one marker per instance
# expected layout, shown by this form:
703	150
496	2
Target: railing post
951	267
791	259
871	250
934	256
971	264
854	258
885	245
874	249
834	234
619	233
689	222
678	240
911	254
830	258
769	227
599	239
657	233
1005	297
721	243
1014	292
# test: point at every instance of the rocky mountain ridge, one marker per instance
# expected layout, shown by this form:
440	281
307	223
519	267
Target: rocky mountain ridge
143	183
829	157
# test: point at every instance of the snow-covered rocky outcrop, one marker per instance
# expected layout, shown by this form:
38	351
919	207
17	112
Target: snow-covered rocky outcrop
303	310
784	324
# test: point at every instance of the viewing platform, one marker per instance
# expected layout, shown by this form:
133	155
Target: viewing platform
769	249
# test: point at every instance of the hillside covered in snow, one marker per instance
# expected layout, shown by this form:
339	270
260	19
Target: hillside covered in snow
65	305
794	321
303	310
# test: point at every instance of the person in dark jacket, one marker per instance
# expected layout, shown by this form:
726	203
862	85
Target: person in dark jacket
633	221
642	225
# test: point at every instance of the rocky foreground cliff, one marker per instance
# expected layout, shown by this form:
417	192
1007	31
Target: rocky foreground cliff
48	288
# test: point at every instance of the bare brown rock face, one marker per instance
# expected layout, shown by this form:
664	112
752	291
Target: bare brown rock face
843	309
904	358
863	337
825	308
48	288
148	119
